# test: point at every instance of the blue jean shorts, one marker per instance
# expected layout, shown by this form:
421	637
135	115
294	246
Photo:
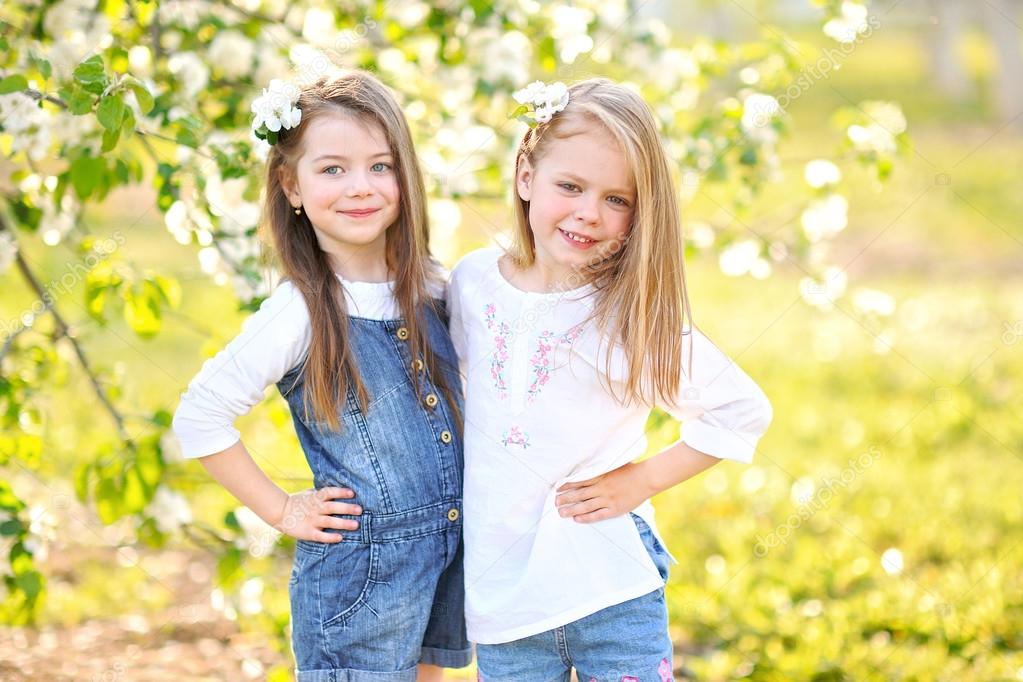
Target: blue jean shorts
627	642
386	598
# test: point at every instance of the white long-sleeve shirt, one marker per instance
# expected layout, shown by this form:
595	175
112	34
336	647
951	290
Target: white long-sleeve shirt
273	340
537	416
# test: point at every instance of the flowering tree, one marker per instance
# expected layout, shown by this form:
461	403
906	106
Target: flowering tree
99	95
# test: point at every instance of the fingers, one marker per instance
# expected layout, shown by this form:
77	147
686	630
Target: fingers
584	507
342	508
340	524
575	496
325	537
335	492
574	485
598	515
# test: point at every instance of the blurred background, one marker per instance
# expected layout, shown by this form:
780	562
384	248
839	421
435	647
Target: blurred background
850	179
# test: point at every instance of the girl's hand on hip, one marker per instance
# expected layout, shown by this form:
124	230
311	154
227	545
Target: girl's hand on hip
612	494
307	514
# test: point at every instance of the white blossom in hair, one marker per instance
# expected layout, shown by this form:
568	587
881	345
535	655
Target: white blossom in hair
538	102
275	110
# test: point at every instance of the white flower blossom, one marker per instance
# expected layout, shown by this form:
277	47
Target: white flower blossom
231	53
259	537
546	100
872	301
826	217
227	201
57	221
871	138
275	108
570	29
8	250
739	258
27	123
821	173
758	110
169	509
824	292
851	21
190	71
271	64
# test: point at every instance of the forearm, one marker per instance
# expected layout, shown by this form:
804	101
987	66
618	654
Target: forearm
235	469
671	466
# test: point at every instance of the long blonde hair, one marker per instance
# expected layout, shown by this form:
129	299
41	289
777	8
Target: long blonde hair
330	368
641	304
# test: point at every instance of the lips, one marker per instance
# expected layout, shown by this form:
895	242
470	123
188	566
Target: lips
360	212
577	240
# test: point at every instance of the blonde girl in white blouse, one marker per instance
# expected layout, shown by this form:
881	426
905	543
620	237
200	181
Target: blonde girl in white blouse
567	342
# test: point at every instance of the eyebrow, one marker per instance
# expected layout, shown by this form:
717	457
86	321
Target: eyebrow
339	157
579	180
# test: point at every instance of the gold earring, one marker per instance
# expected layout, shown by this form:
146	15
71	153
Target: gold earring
298	211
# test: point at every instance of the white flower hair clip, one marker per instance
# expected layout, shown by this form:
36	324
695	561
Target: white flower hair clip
275	110
539	102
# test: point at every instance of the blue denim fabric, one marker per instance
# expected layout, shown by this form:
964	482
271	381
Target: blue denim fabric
390	595
627	642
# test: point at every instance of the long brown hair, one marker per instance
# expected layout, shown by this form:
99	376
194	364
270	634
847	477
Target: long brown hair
642	304
330	369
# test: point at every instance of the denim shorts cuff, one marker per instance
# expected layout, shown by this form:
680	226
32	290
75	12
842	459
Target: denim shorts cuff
446	658
351	675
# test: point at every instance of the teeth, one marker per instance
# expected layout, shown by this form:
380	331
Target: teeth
577	238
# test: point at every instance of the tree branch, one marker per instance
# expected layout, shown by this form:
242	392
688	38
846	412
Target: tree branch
63	331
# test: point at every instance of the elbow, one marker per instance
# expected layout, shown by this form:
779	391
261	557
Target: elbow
763	414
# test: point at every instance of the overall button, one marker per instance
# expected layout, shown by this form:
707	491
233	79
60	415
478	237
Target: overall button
418	364
402	333
452	515
445	436
431	400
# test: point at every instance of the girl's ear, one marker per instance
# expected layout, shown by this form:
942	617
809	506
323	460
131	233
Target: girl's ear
290	187
524	179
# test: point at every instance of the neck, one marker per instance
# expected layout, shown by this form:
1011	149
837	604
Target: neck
542	277
361	264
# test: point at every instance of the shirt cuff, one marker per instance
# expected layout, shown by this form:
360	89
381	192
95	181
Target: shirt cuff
209	443
718	442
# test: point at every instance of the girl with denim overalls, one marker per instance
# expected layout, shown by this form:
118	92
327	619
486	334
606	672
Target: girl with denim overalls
356	340
568	341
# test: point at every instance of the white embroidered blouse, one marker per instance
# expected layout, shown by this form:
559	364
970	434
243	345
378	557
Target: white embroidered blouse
537	416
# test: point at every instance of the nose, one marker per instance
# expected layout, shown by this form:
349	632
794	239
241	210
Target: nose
587	210
359	184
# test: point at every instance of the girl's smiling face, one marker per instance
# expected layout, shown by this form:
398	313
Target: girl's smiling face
582	197
345	183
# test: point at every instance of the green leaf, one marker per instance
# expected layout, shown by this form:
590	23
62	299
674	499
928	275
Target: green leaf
228	567
13	84
82	476
86	175
142	94
78	101
142	310
110	138
169	289
90	72
110	111
95	300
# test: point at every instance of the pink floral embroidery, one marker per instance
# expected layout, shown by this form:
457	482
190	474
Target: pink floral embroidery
515	436
541	360
665	670
499	356
630	678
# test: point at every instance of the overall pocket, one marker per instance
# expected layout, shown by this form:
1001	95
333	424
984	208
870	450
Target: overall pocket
346	575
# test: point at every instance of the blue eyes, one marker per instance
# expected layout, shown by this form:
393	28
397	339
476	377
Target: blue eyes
379	167
615	200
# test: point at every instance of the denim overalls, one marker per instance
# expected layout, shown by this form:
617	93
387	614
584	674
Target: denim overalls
390	595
